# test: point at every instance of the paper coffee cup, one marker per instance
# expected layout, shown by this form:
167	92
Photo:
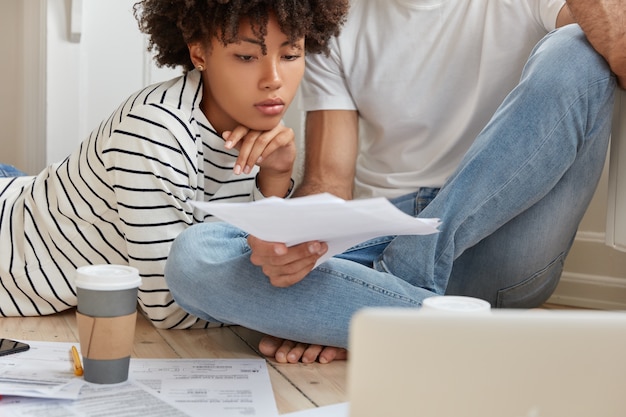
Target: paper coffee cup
106	315
456	304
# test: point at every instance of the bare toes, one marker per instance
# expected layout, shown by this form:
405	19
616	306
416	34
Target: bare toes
311	353
269	345
284	349
331	353
296	352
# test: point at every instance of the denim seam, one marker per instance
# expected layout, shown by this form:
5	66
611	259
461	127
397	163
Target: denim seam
530	280
371	242
367	285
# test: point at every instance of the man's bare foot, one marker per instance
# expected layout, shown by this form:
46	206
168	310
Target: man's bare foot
287	351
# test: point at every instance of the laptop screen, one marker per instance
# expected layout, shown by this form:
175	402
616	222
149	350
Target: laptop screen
509	363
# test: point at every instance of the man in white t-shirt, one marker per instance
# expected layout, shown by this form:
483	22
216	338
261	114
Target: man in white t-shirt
436	105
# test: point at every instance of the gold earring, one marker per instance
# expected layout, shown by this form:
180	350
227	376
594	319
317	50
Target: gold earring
200	67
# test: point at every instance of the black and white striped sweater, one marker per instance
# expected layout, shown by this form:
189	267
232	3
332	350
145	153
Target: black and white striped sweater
121	198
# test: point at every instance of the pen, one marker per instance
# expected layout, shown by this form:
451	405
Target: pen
78	367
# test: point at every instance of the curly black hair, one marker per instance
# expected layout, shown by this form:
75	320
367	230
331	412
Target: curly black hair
172	24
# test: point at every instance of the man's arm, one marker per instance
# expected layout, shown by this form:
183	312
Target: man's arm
330	153
604	23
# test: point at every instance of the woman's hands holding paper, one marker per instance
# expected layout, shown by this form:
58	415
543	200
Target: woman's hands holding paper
285	266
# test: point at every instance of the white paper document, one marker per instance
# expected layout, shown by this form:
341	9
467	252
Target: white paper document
324	217
128	399
209	387
156	387
45	370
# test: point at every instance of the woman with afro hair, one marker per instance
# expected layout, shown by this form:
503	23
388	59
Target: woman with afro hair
214	133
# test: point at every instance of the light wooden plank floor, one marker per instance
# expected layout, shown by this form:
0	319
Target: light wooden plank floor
296	386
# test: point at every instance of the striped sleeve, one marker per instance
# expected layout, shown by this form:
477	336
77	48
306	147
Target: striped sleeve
151	163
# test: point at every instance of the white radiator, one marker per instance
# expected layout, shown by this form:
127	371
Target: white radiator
616	205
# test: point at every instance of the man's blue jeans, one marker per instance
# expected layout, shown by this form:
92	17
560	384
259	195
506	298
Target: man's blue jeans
509	216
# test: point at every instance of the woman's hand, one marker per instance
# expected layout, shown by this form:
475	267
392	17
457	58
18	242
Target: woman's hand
285	266
273	150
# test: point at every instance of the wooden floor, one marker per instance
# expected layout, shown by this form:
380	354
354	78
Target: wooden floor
296	386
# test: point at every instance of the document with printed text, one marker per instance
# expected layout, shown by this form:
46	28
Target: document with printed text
324	217
41	382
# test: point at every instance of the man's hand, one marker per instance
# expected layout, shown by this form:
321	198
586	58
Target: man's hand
604	23
285	266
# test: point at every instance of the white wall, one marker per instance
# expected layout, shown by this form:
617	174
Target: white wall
10	17
88	78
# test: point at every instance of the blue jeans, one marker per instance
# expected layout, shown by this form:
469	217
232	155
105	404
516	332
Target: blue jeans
10	171
509	216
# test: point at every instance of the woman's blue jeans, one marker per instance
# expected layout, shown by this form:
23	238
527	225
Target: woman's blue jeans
10	171
509	216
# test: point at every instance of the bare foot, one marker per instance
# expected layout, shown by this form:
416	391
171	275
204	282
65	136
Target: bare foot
287	351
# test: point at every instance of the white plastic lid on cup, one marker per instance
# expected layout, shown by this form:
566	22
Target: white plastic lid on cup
456	304
107	277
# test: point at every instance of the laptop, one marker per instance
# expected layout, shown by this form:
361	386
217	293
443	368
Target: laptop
507	363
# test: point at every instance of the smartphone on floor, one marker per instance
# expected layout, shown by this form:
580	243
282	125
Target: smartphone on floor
8	346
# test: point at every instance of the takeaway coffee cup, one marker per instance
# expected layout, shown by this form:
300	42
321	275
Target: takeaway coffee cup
106	314
455	304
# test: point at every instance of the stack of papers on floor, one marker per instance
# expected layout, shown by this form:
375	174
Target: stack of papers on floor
41	381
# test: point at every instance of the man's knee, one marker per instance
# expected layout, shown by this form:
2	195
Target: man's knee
566	55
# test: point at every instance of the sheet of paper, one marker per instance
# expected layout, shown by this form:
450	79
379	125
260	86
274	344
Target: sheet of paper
45	371
340	223
156	387
128	399
209	387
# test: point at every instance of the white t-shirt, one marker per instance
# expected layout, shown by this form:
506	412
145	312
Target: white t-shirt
426	76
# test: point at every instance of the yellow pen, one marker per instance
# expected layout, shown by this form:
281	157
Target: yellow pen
78	367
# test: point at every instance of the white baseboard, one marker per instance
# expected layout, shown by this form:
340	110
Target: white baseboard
590	291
